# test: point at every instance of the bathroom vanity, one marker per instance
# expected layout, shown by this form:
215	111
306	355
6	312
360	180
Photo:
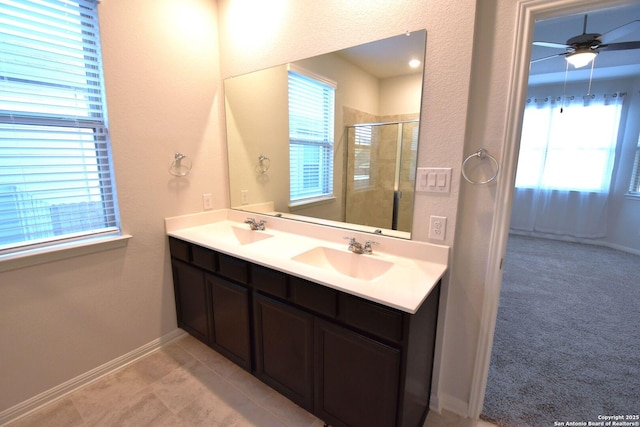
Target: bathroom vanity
306	328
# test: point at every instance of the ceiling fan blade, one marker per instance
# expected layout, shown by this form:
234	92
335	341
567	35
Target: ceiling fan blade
620	32
551	44
620	46
544	58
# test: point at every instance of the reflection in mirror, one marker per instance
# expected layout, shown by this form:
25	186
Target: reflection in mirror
330	139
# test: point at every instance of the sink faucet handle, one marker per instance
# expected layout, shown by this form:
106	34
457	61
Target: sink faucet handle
367	246
255	225
355	246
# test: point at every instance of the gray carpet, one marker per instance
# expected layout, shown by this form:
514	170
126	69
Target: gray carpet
567	343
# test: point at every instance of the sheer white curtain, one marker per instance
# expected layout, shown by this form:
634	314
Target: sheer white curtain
567	154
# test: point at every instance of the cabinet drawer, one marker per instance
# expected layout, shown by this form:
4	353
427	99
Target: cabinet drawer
204	258
269	281
233	268
179	249
371	317
315	297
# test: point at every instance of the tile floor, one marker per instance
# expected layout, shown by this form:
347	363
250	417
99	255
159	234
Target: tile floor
185	383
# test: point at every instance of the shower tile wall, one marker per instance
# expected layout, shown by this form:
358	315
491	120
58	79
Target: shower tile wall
373	206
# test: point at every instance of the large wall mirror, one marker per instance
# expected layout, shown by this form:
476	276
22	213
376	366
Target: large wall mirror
332	138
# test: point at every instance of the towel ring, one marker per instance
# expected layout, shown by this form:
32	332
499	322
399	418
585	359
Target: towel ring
481	154
263	164
180	166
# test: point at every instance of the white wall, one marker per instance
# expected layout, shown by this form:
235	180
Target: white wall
400	95
62	319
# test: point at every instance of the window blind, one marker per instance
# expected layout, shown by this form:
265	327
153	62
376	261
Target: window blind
56	181
634	186
362	176
311	135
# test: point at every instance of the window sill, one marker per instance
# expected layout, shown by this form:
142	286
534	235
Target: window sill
57	252
308	203
632	196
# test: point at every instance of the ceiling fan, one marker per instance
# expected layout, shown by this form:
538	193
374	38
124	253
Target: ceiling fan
580	50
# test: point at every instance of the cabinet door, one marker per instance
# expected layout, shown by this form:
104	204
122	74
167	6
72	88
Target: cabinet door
356	378
284	344
192	300
231	320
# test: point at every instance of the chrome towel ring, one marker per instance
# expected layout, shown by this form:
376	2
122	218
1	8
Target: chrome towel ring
481	154
180	166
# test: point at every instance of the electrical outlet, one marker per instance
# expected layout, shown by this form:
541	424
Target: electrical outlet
207	202
437	227
244	197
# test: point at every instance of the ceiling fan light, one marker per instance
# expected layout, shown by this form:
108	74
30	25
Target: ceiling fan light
581	58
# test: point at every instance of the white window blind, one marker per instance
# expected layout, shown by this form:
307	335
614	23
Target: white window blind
362	176
56	181
634	186
311	130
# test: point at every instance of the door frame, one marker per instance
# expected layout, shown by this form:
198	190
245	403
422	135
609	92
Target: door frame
527	13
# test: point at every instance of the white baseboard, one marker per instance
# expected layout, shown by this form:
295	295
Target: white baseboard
444	402
594	242
59	391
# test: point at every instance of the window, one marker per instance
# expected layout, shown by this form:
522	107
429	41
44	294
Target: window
311	134
562	148
634	186
56	181
362	173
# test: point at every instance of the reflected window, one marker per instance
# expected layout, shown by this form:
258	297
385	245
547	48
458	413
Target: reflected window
362	177
634	186
311	135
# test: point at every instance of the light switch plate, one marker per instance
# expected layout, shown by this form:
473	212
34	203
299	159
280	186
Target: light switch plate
433	180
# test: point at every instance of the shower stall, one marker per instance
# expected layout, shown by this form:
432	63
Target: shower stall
381	174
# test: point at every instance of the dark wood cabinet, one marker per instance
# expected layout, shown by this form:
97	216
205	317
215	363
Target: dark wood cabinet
356	381
350	361
231	320
192	300
284	345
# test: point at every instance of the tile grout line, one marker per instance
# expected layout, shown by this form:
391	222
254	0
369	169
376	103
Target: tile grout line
241	389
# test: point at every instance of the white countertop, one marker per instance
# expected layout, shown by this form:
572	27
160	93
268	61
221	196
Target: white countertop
416	266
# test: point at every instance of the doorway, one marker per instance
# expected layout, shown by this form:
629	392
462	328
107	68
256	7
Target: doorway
628	17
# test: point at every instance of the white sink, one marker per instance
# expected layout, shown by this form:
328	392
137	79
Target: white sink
363	267
244	236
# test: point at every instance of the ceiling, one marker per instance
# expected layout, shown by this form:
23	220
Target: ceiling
389	57
608	65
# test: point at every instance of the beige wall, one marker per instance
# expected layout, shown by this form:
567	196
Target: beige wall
62	319
257	123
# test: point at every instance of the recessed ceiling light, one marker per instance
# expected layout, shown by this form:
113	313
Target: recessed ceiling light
414	63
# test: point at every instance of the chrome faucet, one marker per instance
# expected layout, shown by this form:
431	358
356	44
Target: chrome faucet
256	225
367	246
358	248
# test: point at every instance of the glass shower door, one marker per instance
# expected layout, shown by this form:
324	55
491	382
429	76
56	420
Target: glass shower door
381	174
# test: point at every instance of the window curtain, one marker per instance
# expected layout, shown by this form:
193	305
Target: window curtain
565	165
